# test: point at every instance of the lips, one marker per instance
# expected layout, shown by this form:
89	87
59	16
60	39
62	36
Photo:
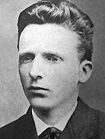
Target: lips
37	88
38	92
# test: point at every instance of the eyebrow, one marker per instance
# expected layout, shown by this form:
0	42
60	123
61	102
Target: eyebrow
44	54
53	54
25	53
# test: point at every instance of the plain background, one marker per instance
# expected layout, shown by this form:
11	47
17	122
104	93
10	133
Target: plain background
12	99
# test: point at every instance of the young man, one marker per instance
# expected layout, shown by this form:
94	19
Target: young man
55	50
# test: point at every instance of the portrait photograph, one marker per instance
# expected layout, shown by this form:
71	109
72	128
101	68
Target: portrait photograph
52	69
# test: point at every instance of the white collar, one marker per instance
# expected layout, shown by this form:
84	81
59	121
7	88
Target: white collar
41	126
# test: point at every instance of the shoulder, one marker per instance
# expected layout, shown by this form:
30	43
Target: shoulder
17	128
12	127
86	110
93	120
98	119
97	123
94	114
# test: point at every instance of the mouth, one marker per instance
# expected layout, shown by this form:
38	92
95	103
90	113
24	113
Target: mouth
37	91
37	88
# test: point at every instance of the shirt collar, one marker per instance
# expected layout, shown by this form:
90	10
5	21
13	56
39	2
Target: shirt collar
41	126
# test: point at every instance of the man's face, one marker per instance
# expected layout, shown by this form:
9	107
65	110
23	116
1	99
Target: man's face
49	65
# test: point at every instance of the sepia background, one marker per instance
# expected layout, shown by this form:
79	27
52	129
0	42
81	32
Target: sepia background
12	100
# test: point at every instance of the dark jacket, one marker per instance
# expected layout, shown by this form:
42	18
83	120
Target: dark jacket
85	123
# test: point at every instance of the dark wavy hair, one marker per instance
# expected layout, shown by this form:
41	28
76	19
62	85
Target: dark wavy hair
61	12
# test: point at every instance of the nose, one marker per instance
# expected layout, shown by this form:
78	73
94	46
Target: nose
36	72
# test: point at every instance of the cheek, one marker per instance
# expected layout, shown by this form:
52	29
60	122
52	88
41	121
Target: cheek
24	74
64	77
64	73
64	84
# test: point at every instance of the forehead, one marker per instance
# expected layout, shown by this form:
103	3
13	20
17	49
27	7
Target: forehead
47	36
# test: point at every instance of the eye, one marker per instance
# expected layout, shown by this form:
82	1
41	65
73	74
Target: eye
53	58
26	58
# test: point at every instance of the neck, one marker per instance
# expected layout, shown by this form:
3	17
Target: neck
54	115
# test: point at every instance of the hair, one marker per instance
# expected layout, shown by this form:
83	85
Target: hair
61	12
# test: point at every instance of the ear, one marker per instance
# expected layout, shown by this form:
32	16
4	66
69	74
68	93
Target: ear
86	68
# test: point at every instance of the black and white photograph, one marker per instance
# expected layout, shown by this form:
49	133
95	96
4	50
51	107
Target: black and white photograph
52	69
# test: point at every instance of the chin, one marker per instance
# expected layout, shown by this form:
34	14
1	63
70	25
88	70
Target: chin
41	104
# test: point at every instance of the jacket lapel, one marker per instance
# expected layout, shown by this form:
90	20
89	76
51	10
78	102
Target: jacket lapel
26	129
76	128
77	125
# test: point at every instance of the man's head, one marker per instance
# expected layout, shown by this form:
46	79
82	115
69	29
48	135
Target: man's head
55	49
64	13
